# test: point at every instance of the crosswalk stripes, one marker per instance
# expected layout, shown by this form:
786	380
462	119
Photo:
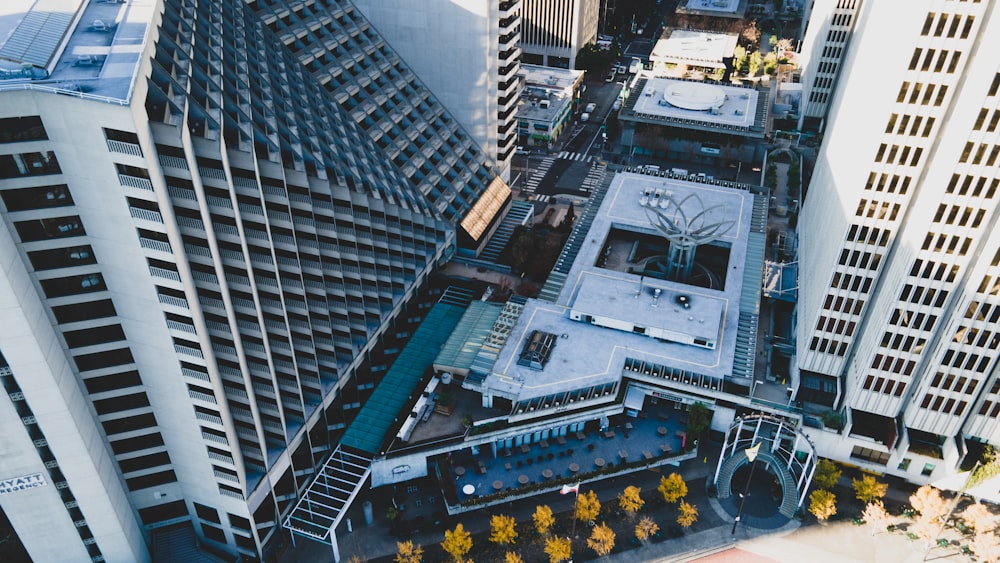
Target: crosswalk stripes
543	198
566	155
536	175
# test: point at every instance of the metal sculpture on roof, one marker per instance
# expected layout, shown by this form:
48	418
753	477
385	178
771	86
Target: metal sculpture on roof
687	224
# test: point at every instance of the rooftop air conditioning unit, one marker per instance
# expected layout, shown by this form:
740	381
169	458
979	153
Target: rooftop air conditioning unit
544	104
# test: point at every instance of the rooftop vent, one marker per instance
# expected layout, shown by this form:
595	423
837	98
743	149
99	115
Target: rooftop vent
683	301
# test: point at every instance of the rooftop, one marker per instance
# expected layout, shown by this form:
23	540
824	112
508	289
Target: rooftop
719	8
87	49
602	282
549	77
712	104
693	47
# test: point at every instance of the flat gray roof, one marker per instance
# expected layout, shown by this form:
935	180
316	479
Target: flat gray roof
87	49
636	300
694	47
549	77
710	103
586	355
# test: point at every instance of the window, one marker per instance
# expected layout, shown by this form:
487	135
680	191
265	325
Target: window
42	197
213	533
207	513
73	285
151	480
92	336
163	512
904	465
122	403
28	164
53	228
144	462
84	311
129	423
112	382
928	469
138	443
21	129
62	257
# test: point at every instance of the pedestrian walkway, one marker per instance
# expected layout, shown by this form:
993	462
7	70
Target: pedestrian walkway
536	175
579	157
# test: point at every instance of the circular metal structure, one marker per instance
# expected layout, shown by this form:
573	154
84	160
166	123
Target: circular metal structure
789	453
694	96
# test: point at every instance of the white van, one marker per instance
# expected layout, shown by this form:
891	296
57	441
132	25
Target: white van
590	108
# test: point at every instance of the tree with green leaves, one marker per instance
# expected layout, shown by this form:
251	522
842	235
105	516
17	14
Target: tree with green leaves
827	474
543	519
408	552
630	500
503	530
457	542
822	504
868	489
699	418
587	506
558	549
602	540
673	488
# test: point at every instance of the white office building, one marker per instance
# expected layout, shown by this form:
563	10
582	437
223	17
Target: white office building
899	254
828	29
471	66
217	218
555	30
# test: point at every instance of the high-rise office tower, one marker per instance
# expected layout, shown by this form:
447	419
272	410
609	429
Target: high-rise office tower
467	52
555	30
215	219
828	29
899	251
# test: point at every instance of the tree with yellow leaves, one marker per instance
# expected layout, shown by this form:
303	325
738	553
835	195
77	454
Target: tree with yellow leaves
543	519
868	489
602	540
928	502
457	542
876	517
503	530
511	557
986	547
407	552
587	506
822	504
630	500
979	518
558	549
673	488
645	528
687	514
